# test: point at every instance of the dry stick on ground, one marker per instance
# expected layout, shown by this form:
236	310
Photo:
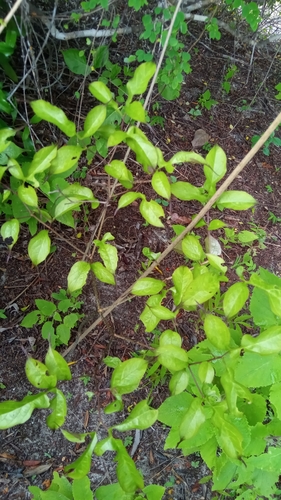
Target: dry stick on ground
195	221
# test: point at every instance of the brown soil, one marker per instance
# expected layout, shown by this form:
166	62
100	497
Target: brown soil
31	452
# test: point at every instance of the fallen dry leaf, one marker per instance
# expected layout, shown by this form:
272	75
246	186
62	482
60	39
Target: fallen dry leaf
180	219
32	471
200	138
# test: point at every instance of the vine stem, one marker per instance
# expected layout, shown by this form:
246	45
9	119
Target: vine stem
178	239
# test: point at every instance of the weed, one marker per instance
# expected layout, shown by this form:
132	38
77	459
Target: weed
274	218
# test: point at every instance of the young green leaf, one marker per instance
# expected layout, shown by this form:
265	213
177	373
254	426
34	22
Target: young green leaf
200	290
118	170
39	247
57	365
178	382
77	276
141	417
161	184
41	162
81	489
186	192
267	342
217	332
151	212
169	337
138	84
10	229
81	467
52	114
234	299
36	373
101	92
15	169
129	477
135	111
192	248
192	420
28	195
215	168
67	157
102	273
147	286
172	357
128	198
17	412
109	255
127	376
187	157
93	121
182	277
235	200
59	410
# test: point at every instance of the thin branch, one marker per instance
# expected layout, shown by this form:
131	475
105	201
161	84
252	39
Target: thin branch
10	14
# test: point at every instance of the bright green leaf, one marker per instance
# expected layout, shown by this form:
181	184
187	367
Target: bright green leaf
77	276
147	286
217	332
127	376
234	299
39	247
52	114
235	200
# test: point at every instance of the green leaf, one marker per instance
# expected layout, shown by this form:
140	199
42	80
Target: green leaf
141	417
154	492
108	254
173	409
135	111
101	92
118	170
186	192
30	319
73	196
147	286
178	382
216	224
77	276
145	151
217	332
138	84
75	437
172	357
10	229
102	273
67	157
267	342
41	162
57	365
93	121
206	372
215	169
128	198
234	299
187	157
45	307
161	184
17	412
151	212
274	296
192	420
200	290
229	437
76	62
59	410
169	337
127	376
52	114
257	370
235	200
15	169
28	195
192	248
36	373
113	491
39	247
81	467
81	489
130	479
182	277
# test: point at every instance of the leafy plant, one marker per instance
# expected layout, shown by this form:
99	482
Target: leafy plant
226	85
273	218
57	325
276	141
205	100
